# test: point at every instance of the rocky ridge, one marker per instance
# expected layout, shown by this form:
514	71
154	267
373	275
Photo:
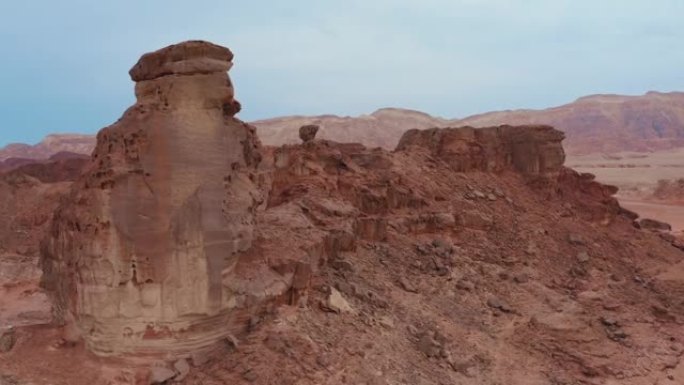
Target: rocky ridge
592	124
606	123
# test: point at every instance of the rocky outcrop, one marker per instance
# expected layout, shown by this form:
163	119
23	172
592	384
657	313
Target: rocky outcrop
653	224
27	206
464	252
138	254
531	150
61	167
308	133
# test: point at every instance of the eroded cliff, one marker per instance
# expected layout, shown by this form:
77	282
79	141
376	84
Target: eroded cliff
463	256
136	255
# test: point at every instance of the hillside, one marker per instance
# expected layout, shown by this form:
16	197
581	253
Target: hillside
50	145
605	123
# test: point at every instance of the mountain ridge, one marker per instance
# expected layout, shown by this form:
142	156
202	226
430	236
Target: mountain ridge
593	124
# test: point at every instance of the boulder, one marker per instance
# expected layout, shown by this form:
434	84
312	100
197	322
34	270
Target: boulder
182	369
336	302
308	133
653	224
8	338
160	375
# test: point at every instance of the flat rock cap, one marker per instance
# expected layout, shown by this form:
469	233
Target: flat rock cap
187	58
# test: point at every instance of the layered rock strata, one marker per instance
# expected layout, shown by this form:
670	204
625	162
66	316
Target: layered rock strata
532	150
137	255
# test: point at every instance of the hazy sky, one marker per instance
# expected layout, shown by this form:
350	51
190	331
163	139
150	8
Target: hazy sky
64	64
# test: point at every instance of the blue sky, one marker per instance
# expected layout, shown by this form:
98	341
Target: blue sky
64	64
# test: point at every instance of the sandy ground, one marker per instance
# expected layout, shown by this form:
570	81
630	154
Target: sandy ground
636	174
672	214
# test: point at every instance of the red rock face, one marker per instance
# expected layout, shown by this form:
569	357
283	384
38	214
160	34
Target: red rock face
534	150
29	193
159	216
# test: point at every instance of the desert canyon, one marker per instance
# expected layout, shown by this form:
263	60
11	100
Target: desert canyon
183	245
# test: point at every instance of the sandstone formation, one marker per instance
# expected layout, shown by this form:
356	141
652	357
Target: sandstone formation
29	195
532	150
140	253
463	256
308	133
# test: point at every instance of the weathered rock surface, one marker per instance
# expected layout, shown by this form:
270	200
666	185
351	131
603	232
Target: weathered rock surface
653	224
139	252
533	150
29	195
7	339
308	133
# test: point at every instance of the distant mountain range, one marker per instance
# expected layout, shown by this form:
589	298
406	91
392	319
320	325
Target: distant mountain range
50	145
606	123
593	124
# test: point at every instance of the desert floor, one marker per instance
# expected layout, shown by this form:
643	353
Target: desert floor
636	174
